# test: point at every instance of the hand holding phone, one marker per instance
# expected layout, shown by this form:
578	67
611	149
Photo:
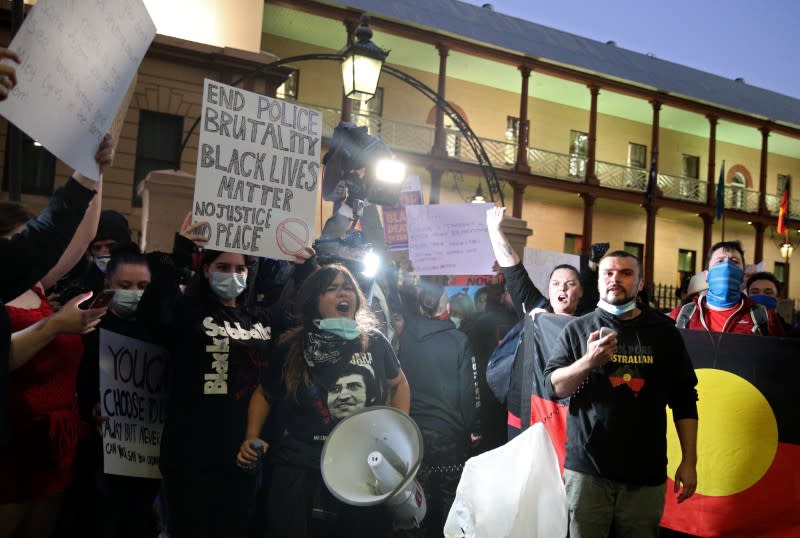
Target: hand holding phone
102	299
605	331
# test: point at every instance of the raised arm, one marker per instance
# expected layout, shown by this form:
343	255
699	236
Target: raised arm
88	227
505	255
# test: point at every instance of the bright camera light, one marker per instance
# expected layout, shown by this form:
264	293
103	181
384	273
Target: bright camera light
390	171
371	262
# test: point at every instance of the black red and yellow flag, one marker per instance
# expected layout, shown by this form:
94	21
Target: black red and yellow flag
748	439
748	435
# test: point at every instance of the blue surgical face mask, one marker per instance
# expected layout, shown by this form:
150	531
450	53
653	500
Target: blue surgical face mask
125	302
101	261
770	301
227	285
456	321
617	309
342	327
724	281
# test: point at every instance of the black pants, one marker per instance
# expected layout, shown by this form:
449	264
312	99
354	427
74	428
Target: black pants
438	476
300	506
209	503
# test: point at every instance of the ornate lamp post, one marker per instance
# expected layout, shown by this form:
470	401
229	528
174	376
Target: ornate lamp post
362	63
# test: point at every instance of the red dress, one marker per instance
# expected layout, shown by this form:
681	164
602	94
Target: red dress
43	414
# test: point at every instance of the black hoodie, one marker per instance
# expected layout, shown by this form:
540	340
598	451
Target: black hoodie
617	417
440	367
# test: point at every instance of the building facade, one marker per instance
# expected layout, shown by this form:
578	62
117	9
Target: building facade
572	127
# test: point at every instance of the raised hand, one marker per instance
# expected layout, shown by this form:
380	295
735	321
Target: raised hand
8	73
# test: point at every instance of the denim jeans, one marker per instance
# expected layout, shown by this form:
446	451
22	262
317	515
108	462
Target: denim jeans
595	504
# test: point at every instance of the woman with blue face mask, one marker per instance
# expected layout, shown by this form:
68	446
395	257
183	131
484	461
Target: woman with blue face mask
117	506
332	365
218	348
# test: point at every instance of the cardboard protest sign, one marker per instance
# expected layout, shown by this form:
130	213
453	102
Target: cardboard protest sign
78	61
449	239
540	263
395	225
257	172
133	396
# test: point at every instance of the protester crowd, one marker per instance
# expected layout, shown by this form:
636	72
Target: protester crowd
267	357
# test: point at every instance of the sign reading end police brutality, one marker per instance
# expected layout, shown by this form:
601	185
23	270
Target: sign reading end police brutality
257	172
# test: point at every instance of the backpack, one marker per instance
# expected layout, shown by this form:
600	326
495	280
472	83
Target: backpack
758	313
501	362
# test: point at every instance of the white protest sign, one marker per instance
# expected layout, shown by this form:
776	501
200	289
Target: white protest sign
133	396
449	239
78	59
540	263
257	172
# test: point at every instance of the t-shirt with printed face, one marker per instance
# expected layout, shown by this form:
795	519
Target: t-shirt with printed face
343	380
217	359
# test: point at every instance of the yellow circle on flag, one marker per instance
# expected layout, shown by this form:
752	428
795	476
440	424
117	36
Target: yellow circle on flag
737	434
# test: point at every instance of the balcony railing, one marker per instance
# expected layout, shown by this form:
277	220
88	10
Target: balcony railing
774	204
741	198
618	176
417	138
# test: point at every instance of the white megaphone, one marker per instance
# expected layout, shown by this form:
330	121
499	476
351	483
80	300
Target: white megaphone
372	457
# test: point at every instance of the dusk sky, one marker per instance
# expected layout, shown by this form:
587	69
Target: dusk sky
758	40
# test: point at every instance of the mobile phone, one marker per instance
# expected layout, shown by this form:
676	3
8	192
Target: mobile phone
102	299
605	331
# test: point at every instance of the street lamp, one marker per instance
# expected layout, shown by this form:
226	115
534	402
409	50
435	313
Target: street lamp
787	249
362	63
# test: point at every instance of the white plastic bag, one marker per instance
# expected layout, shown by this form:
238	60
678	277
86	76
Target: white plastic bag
514	491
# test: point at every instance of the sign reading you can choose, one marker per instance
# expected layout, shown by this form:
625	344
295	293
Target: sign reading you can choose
258	169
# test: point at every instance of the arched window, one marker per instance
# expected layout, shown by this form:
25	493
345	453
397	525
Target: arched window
737	190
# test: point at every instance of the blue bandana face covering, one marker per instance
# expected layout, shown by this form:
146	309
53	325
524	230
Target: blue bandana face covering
617	309
770	301
101	262
724	282
342	327
227	285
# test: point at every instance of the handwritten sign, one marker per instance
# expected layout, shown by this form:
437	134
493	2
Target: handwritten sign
133	396
257	172
395	224
449	239
78	60
540	263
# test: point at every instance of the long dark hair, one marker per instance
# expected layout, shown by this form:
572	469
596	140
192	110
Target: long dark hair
307	311
198	287
12	215
125	253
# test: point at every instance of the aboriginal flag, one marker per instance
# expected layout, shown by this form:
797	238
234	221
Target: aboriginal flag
748	439
539	337
749	430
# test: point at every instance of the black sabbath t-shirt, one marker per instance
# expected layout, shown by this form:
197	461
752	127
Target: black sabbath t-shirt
217	360
343	379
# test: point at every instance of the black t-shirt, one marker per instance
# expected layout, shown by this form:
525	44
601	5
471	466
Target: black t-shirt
217	356
343	380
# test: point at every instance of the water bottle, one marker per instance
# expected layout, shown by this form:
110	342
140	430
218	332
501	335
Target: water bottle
255	467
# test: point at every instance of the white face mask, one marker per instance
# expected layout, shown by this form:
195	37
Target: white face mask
617	309
456	321
227	285
125	302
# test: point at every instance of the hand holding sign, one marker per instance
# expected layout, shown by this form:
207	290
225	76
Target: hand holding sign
104	157
8	73
197	232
